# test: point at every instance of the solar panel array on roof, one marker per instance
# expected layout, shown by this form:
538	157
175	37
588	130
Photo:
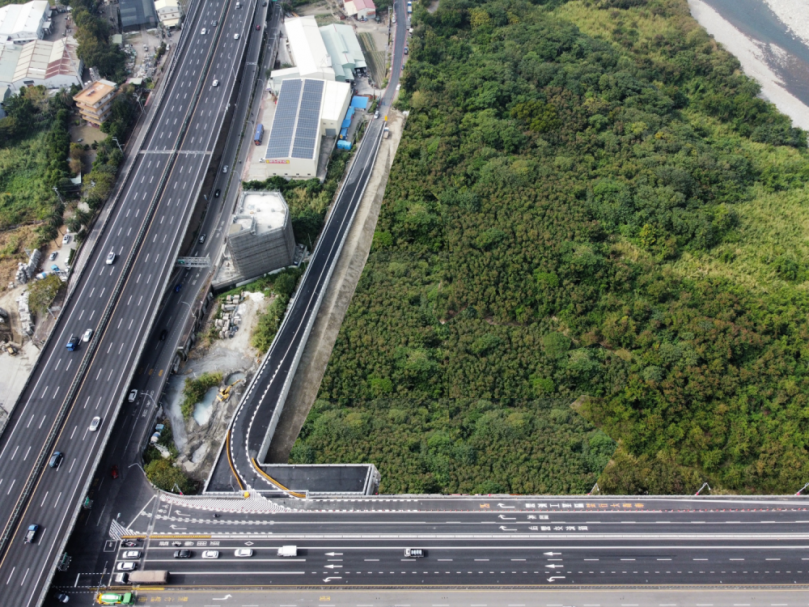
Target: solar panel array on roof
283	125
308	127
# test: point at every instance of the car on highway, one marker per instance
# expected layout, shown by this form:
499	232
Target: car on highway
288	551
61	597
95	424
66	239
258	27
163	334
203	31
126	566
53	255
56	459
210	554
215	83
88	334
114	474
73	343
243	553
110	258
415	553
129	543
225	169
235	36
202	239
178	288
109	598
130	555
133	394
183	554
216	194
31	534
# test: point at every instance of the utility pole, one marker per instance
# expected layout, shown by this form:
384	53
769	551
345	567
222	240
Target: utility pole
115	139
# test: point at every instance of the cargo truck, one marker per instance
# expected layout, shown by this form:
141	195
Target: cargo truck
259	134
156	576
288	551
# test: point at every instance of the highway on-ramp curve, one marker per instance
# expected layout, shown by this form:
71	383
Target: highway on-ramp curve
246	439
145	231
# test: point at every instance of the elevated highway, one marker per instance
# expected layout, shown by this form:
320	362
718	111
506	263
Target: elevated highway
116	301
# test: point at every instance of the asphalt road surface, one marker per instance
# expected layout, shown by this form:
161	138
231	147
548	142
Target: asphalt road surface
113	350
254	416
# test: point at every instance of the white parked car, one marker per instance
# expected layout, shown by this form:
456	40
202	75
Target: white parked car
210	554
66	239
132	396
126	566
131	555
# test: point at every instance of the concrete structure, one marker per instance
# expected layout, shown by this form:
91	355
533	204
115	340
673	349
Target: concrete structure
168	11
362	9
53	65
260	238
21	23
309	53
326	480
95	101
136	14
344	49
307	110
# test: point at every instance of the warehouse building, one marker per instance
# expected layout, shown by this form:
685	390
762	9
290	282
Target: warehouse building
260	238
361	9
21	23
307	110
309	53
53	65
136	14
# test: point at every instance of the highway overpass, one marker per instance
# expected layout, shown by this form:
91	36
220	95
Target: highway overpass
117	301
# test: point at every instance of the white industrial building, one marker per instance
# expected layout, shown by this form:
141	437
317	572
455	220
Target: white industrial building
362	9
53	65
21	23
307	110
168	11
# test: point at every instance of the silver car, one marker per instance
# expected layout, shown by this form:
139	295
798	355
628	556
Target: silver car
110	258
95	424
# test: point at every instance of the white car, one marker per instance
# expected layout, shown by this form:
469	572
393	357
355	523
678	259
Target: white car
132	396
235	36
215	83
95	424
225	170
110	258
130	555
203	31
66	239
210	554
243	553
88	334
126	566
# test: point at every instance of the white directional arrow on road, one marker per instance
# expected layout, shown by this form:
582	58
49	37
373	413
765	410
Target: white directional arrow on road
504	506
224	598
334	554
507	518
555	566
504	528
333	566
329	579
176	528
553	578
552	553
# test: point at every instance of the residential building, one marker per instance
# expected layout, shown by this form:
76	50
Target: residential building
94	102
168	11
361	9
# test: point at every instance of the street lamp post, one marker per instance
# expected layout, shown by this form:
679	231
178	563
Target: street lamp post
59	195
115	139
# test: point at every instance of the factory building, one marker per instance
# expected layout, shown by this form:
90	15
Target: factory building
361	9
260	238
53	65
21	23
306	111
345	51
136	14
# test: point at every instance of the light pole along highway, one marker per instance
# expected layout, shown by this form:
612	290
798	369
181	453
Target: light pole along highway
115	298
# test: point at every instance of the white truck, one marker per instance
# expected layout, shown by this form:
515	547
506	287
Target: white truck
288	551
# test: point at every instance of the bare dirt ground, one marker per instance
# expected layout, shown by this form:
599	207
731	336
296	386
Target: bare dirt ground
344	281
197	443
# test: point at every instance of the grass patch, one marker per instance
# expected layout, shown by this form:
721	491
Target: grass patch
195	389
42	292
375	58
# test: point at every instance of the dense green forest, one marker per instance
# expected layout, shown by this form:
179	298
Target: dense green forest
592	249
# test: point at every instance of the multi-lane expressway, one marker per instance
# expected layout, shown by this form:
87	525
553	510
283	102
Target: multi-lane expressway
499	541
68	389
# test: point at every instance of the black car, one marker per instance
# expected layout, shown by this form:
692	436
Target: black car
163	334
56	459
182	554
130	543
216	194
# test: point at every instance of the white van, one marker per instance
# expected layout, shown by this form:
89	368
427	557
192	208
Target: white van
288	551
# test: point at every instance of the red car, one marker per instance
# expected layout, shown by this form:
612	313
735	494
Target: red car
114	472
258	28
